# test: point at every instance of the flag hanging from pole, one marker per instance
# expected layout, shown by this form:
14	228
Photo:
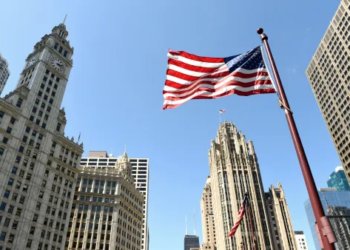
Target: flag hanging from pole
195	77
240	216
222	111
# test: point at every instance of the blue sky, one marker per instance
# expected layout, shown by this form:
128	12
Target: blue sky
114	94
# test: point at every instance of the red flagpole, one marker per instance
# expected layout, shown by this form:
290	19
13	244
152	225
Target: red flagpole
251	223
305	168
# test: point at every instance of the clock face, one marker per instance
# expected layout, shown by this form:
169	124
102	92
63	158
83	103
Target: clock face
31	61
57	64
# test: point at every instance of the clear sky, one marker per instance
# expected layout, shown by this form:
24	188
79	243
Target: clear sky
114	94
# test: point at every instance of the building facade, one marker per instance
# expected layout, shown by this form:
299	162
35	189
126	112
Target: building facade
301	240
280	220
140	173
191	241
38	163
336	205
329	75
4	73
234	171
207	216
107	210
338	180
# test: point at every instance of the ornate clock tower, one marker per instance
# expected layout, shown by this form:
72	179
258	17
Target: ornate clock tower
38	163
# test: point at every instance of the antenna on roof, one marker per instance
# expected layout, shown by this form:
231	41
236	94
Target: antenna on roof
186	226
194	222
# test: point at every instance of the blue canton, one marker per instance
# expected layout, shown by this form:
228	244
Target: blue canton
249	60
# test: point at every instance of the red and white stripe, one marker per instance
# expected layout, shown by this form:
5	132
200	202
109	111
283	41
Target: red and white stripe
239	219
194	77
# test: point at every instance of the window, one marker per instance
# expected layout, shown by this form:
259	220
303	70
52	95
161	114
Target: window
58	128
2	151
29	243
14	170
32	230
3	206
65	53
10	182
21	149
12	121
8	130
2	236
41	194
43	184
55	46
5	140
19	211
14	224
14	197
35	217
19	102
38	205
10	209
7	194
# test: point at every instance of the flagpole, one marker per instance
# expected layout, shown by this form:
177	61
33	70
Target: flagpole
305	168
251	223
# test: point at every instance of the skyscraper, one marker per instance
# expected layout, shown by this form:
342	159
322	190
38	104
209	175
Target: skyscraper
140	173
338	180
4	72
234	171
191	241
280	220
301	240
336	205
38	163
329	75
208	224
107	210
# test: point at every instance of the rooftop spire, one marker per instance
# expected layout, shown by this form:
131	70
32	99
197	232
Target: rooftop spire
64	20
194	222
186	226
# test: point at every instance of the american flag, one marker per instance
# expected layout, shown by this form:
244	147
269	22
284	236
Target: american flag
240	216
222	111
195	77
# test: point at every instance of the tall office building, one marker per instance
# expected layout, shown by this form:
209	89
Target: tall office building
191	241
329	77
338	180
280	220
301	240
234	170
38	163
140	173
107	210
207	216
336	205
4	72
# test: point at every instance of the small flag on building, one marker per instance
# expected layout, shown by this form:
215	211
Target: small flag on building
222	111
240	216
195	77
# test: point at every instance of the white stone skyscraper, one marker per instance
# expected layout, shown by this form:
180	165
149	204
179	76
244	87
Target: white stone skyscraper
4	72
329	77
140	173
207	216
107	211
38	164
234	171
